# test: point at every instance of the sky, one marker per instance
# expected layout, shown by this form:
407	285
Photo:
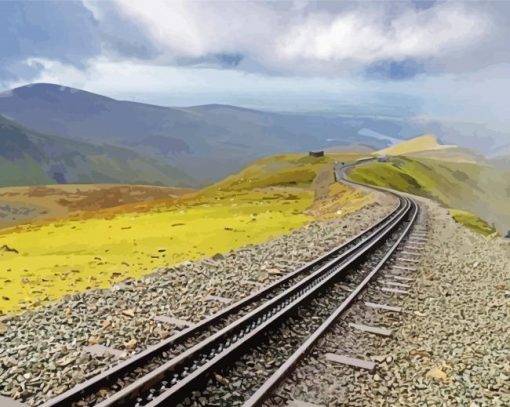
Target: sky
430	59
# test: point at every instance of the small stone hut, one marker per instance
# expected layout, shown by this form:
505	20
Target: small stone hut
316	153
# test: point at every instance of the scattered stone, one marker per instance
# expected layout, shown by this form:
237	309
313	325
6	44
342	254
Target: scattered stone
221	379
420	353
93	340
437	373
9	362
65	361
218	257
131	344
128	313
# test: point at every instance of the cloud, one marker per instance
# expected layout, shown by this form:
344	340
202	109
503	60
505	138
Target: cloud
64	31
311	38
194	32
387	40
363	38
121	37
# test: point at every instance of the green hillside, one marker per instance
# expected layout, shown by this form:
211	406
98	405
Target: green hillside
481	189
31	158
279	170
472	222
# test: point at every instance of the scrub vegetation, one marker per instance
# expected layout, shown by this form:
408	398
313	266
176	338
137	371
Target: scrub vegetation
97	247
25	204
472	222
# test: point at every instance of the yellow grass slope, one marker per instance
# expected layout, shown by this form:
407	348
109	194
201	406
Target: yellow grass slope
46	260
427	146
427	142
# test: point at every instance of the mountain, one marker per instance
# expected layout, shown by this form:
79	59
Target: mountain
207	142
28	158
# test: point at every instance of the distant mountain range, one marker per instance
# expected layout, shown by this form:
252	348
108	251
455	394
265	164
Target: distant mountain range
184	146
29	158
206	142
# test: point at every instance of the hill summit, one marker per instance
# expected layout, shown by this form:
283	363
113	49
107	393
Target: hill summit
428	146
426	142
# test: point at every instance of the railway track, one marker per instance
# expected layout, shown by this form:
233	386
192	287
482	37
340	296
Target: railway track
180	366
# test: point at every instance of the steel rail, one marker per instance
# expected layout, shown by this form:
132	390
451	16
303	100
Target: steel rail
265	391
194	364
110	376
341	173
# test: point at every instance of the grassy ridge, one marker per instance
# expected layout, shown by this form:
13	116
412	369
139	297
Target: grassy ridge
44	261
480	189
281	170
426	142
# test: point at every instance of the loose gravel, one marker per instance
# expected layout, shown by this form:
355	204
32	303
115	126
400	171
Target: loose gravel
451	343
41	351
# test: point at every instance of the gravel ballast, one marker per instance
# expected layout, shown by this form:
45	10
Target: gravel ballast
256	365
451	343
41	351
